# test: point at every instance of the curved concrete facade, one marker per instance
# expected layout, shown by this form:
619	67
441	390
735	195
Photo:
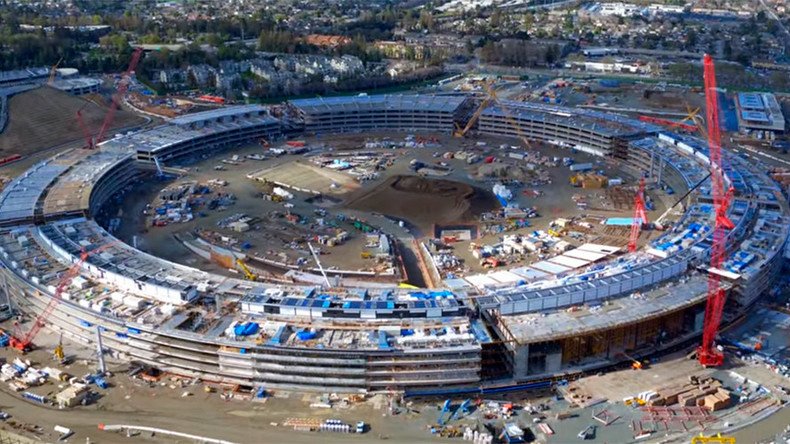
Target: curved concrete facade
364	339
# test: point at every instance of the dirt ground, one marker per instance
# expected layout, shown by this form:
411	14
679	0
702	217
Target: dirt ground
45	117
461	196
425	201
270	237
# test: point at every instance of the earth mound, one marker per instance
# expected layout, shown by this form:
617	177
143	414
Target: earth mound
425	201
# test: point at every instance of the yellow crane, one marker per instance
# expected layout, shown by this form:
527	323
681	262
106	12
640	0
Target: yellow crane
54	71
247	273
58	353
461	132
508	116
491	98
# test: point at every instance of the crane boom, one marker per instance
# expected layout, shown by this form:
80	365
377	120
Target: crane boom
123	86
669	123
318	263
707	353
246	270
85	131
53	72
508	116
478	112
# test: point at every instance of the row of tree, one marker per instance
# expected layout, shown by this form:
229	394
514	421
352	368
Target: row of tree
523	53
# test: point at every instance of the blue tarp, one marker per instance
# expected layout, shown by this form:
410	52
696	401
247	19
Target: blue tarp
383	343
250	328
306	335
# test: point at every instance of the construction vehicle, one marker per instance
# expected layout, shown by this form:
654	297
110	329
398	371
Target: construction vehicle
638	365
24	342
244	269
716	439
363	227
555	233
366	255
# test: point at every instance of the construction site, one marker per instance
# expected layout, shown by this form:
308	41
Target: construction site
413	267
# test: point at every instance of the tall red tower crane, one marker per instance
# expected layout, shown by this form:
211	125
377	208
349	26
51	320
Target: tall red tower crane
117	98
23	342
707	353
640	216
85	131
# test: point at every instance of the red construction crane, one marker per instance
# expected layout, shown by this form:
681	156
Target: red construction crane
85	131
24	342
670	123
640	216
707	353
117	98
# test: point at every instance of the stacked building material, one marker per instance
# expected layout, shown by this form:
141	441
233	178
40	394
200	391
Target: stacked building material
706	392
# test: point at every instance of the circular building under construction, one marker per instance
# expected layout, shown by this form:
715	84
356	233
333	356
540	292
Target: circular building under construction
585	308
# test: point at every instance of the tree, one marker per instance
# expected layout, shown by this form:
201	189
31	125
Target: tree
426	20
151	39
114	41
495	21
529	21
691	39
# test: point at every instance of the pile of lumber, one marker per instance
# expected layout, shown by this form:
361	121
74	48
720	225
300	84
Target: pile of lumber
698	391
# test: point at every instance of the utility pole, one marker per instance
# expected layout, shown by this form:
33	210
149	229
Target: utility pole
100	351
5	289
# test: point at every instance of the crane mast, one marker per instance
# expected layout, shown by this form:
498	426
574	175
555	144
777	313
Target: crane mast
640	216
23	342
117	98
707	354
